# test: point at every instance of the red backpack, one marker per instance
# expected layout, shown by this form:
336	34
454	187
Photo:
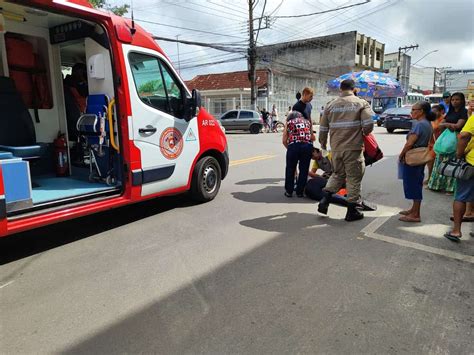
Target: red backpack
372	151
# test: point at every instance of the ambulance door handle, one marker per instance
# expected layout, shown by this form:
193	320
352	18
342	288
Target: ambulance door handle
147	130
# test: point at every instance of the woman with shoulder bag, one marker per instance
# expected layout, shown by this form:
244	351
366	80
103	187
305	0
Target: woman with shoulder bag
454	122
413	158
465	187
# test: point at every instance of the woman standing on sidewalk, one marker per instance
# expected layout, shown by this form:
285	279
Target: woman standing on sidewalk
438	110
465	188
298	139
454	121
413	176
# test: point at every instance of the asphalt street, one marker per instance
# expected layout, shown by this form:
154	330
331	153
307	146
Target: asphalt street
252	272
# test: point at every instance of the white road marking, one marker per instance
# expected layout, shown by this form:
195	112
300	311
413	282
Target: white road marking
369	231
8	283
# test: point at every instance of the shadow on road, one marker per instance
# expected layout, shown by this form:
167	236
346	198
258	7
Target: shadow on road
28	243
264	181
308	289
269	194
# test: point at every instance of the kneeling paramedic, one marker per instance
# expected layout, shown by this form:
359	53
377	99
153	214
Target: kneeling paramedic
346	119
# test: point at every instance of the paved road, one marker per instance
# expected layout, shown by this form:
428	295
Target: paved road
251	272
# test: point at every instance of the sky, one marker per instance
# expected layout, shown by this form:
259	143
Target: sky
444	30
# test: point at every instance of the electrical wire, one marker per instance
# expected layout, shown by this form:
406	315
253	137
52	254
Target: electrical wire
236	9
213	63
218	46
260	20
185	28
325	11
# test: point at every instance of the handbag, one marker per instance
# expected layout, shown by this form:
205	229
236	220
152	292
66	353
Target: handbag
456	168
446	143
418	156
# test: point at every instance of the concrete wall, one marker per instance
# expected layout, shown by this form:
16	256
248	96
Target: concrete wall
460	80
328	56
421	78
312	62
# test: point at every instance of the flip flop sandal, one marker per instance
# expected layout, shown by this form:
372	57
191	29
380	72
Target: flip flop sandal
464	219
409	219
453	238
404	213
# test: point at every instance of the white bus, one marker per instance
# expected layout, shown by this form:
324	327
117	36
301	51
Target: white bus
434	99
412	98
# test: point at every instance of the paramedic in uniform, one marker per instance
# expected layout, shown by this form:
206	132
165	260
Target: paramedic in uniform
346	119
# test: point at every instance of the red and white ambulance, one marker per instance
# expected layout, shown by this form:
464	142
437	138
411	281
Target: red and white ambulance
93	116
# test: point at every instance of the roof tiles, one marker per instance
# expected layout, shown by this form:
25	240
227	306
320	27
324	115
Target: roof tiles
221	81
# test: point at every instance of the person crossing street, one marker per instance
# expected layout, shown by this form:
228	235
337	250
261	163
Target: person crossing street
346	119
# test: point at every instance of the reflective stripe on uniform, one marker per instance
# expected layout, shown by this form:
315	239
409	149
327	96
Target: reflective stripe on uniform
343	124
367	122
323	129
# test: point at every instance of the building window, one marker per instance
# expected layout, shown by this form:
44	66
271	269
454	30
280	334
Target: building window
358	49
377	55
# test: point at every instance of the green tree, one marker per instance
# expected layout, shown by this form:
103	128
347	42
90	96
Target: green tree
151	87
102	4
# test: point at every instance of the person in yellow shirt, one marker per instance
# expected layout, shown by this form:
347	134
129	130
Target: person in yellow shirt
465	188
320	162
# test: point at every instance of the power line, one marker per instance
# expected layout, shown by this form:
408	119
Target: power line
325	11
186	28
352	19
222	47
260	20
276	8
213	63
214	9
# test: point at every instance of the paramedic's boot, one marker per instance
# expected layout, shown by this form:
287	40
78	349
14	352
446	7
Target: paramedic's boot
352	213
324	203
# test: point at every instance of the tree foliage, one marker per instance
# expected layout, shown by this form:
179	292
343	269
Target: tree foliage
117	10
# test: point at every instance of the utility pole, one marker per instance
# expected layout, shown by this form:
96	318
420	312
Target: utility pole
442	71
404	49
252	59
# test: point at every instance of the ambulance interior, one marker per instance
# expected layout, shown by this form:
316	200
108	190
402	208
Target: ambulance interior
59	140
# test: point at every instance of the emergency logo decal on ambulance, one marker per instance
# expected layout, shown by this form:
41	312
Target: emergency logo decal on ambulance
171	143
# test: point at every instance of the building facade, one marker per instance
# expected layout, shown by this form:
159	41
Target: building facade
227	91
459	80
425	80
393	67
288	68
312	62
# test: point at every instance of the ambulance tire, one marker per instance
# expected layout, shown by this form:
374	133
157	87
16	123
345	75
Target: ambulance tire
206	179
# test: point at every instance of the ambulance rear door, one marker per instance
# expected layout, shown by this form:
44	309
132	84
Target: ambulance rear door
167	142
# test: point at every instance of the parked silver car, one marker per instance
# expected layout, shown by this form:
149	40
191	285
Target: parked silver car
242	120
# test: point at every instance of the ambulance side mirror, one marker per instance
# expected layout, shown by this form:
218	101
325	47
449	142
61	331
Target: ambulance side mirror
191	105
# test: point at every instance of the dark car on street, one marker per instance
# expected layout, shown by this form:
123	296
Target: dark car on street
396	118
242	120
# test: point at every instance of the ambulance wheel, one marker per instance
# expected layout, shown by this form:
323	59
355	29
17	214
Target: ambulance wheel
206	180
255	129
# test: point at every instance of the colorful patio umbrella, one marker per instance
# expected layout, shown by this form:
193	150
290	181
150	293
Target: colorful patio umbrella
370	84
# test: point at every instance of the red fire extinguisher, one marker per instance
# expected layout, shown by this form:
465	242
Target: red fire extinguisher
60	153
